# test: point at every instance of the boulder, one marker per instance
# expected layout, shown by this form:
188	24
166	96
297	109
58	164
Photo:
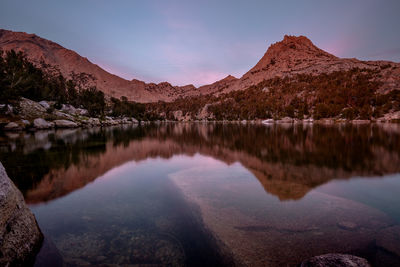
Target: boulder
178	115
285	120
20	236
6	109
110	121
30	109
69	109
82	112
135	121
44	104
25	122
393	116
65	124
335	260
40	123
268	121
12	126
94	122
360	121
62	116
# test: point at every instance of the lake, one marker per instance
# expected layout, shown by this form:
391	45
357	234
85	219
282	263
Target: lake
210	194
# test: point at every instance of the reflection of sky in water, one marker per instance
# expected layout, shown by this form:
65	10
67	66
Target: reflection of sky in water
381	193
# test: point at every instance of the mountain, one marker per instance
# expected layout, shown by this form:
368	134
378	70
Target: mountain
218	86
298	55
71	64
287	58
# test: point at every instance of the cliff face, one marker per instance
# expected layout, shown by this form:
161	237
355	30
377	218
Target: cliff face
20	236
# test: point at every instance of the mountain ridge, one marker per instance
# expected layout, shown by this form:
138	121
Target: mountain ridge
292	56
68	62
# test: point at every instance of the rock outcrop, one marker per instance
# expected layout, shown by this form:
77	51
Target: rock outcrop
335	260
20	236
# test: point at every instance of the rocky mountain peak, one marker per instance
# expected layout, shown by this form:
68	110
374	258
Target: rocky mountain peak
292	50
229	78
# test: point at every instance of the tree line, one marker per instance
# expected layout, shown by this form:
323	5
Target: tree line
21	78
348	94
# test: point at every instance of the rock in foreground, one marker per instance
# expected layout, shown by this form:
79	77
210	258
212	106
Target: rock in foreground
335	260
20	236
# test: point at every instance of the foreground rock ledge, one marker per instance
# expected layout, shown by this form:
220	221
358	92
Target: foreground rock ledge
20	236
335	260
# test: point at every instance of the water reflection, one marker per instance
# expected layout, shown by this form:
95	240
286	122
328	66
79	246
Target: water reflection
288	161
209	194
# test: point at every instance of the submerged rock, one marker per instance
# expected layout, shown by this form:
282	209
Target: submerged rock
20	236
335	260
346	225
389	240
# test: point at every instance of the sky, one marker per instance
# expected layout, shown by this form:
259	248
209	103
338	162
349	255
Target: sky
201	41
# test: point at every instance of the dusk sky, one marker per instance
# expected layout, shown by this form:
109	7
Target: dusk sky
200	42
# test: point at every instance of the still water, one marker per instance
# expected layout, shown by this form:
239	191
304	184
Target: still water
210	194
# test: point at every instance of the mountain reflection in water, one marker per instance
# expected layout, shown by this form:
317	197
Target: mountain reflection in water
287	160
312	199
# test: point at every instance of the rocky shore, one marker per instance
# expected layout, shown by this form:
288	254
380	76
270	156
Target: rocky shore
20	236
31	115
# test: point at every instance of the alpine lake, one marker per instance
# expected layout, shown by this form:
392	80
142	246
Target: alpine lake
210	194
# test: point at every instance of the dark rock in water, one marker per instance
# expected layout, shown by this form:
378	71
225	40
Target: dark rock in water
335	260
20	236
49	255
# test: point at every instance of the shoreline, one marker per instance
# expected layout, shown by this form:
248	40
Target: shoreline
17	126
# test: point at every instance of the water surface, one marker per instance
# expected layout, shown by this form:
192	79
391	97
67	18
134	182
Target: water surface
210	194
